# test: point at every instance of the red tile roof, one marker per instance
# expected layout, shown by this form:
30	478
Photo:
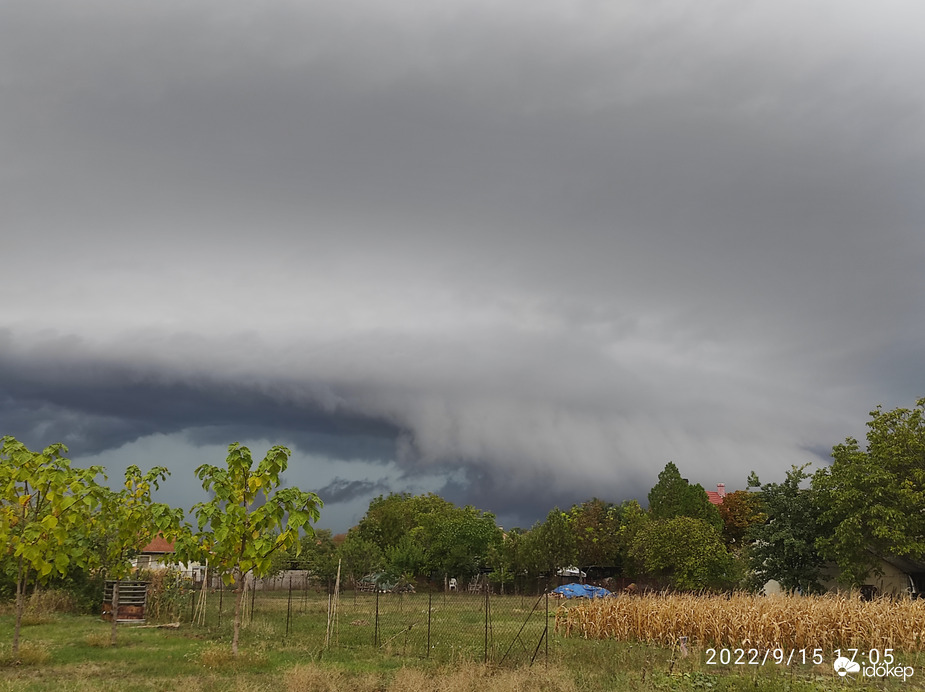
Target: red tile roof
158	545
714	497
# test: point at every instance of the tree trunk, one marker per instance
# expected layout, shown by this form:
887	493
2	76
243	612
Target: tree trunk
115	612
237	611
20	603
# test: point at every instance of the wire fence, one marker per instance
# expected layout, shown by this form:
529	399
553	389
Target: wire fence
476	624
446	626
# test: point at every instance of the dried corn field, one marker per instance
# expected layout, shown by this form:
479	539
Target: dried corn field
743	620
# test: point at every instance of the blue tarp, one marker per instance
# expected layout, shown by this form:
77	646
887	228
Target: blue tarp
581	591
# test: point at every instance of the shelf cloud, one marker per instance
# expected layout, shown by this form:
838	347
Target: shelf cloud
517	255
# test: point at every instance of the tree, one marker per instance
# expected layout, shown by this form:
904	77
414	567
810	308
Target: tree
510	558
784	546
360	556
390	518
740	511
596	527
248	518
428	535
686	554
674	496
633	519
319	556
872	498
130	520
463	541
46	507
552	543
406	558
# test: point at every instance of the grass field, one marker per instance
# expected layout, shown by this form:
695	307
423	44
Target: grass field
65	652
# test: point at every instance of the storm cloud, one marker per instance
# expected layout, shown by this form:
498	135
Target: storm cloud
518	255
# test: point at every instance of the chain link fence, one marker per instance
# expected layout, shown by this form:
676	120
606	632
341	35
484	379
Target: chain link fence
473	622
447	625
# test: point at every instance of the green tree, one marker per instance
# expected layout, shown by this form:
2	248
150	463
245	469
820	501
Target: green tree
406	558
130	519
872	498
510	559
391	517
319	556
426	535
595	525
783	547
360	556
633	518
248	519
740	511
686	554
673	496
463	542
46	508
552	543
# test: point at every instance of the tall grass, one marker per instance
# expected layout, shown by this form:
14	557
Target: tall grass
829	622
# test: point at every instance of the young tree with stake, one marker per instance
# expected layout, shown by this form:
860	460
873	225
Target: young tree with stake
240	534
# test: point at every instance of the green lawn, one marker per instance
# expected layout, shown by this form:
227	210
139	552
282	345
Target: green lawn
61	652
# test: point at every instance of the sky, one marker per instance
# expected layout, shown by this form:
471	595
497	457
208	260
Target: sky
518	254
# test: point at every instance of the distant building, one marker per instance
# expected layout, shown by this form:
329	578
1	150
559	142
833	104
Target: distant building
155	555
158	555
716	497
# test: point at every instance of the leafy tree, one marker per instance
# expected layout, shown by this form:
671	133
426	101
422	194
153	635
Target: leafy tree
783	547
320	556
360	556
552	543
510	558
428	535
248	518
131	519
405	559
872	498
390	518
46	507
595	525
463	542
674	496
740	511
686	554
633	518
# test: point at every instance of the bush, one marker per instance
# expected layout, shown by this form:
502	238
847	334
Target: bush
166	591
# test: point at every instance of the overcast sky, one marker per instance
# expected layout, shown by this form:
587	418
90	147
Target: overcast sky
519	254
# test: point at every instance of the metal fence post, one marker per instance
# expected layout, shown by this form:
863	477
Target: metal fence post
289	607
376	628
486	623
430	601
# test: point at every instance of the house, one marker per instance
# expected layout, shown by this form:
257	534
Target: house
155	555
891	576
158	555
716	497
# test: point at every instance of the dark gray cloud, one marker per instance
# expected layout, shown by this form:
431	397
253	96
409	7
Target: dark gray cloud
341	490
533	251
99	406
